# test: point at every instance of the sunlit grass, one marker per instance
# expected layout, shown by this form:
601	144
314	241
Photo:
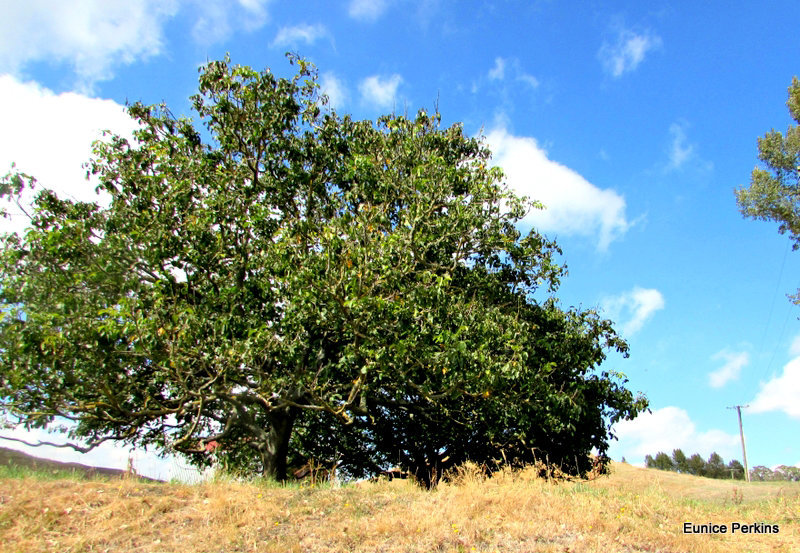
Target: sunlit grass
13	470
632	510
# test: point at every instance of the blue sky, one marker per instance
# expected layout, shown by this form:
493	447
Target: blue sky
632	121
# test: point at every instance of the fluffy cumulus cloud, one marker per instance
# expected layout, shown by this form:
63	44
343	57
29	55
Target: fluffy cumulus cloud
626	51
94	37
634	308
90	35
334	88
781	393
733	363
573	205
50	135
380	92
367	10
667	429
299	34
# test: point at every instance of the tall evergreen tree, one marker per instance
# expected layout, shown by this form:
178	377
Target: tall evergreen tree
715	466
679	461
697	465
735	470
664	462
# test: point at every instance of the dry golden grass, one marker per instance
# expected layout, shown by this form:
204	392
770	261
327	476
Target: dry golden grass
632	510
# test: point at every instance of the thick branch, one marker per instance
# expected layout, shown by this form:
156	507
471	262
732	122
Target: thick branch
81	449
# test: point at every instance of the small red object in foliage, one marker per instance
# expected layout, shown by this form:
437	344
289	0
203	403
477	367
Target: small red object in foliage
211	446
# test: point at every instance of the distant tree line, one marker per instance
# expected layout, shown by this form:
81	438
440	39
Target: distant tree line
714	467
782	472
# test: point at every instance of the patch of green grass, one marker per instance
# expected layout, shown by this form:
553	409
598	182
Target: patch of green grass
13	470
582	488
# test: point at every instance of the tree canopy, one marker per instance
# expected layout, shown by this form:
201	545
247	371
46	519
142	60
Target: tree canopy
774	191
713	468
680	462
288	283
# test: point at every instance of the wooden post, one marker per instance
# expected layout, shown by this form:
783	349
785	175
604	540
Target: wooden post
741	435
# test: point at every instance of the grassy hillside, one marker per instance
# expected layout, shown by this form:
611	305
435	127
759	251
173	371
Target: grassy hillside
16	463
633	510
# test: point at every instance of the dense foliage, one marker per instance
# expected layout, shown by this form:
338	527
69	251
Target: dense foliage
781	473
301	285
714	467
774	191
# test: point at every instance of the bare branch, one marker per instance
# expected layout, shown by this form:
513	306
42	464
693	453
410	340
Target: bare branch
81	449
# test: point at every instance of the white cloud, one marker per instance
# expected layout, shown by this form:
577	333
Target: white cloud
667	429
217	19
528	79
679	151
367	10
794	348
94	37
255	9
335	89
293	36
627	51
212	24
734	362
782	393
573	205
91	35
633	308
380	91
49	136
499	70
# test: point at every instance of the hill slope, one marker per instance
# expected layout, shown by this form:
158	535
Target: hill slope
633	510
12	457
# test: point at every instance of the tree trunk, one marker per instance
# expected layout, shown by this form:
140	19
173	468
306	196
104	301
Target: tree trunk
277	447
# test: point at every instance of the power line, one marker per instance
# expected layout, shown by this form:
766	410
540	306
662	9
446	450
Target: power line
775	294
771	311
777	344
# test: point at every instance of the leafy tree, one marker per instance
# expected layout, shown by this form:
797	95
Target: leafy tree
761	473
663	462
735	470
679	461
715	466
772	194
697	465
300	285
788	473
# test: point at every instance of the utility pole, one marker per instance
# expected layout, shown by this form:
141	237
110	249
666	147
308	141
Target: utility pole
741	434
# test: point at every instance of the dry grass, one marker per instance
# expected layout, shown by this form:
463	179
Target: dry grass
632	510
